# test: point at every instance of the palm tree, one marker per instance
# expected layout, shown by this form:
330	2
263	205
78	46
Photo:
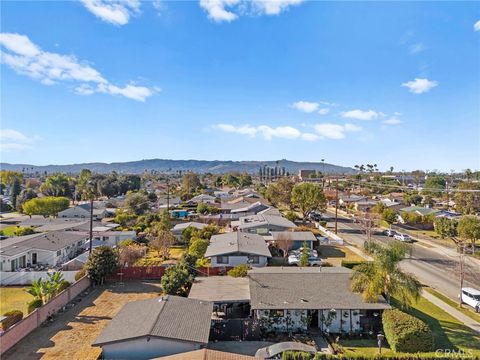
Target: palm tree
37	289
383	276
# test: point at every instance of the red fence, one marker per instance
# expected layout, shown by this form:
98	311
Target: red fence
156	272
21	329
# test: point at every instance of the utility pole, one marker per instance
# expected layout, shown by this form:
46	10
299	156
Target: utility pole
462	270
336	205
91	225
168	193
448	196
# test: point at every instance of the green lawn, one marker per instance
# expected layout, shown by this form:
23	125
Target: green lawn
9	230
14	298
367	347
153	259
465	309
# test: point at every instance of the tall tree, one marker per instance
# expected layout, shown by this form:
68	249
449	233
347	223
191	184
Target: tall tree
434	185
308	197
446	228
469	229
101	263
280	192
468	202
56	185
190	183
383	276
137	203
46	206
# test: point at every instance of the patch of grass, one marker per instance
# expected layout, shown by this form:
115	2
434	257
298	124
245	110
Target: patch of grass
448	332
465	309
335	254
14	298
153	259
367	347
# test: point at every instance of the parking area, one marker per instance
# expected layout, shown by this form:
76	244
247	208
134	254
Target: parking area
70	334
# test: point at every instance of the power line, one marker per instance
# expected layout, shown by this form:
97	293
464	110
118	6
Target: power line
409	188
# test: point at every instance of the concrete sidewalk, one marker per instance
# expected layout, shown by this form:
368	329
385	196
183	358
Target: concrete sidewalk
472	324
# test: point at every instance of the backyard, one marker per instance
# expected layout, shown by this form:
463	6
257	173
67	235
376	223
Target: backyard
72	332
152	258
336	254
14	298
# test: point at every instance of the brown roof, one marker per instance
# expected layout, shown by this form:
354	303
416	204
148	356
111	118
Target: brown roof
206	354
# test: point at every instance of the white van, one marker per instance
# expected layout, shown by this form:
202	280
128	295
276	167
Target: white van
471	297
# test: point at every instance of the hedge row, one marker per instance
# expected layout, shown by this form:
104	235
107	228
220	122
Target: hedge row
11	318
406	333
34	304
351	264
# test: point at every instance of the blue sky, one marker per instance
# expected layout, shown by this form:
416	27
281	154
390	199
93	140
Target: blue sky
392	83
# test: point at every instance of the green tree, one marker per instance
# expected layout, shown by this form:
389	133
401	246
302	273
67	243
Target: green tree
177	280
280	192
308	197
137	203
389	216
56	185
434	185
15	191
101	263
469	229
446	228
190	183
468	203
245	180
25	195
241	270
198	247
412	198
305	255
384	276
46	206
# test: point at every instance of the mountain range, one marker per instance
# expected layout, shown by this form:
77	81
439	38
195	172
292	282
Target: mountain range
165	165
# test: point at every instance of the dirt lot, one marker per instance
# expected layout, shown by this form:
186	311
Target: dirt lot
72	332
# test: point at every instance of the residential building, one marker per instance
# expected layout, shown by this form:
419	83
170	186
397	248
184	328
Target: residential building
263	224
178	228
47	249
207	354
156	327
203	198
82	211
299	298
234	248
296	239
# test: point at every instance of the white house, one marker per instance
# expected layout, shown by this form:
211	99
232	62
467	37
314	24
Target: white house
156	327
48	249
82	211
263	224
234	248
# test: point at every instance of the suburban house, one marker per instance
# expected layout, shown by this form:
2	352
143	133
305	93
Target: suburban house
171	201
250	209
263	224
203	198
351	200
178	228
295	239
156	327
392	204
82	211
234	248
41	249
105	236
364	205
296	299
422	211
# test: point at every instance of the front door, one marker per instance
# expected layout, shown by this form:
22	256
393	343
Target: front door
34	258
313	318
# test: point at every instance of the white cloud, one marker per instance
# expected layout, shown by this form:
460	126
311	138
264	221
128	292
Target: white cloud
323	111
115	12
286	132
14	140
335	131
216	9
361	115
28	59
419	86
476	26
274	7
310	137
392	121
243	130
417	48
229	10
305	106
159	5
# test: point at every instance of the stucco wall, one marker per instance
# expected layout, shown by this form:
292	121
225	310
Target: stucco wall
146	348
236	260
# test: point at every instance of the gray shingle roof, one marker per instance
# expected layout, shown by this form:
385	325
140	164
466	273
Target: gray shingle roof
293	236
259	220
170	317
52	241
237	242
305	288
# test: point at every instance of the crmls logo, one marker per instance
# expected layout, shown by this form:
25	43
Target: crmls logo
453	354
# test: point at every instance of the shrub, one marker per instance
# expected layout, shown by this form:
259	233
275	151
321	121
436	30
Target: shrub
32	305
239	271
296	355
21	231
11	318
63	285
80	274
290	215
406	333
351	264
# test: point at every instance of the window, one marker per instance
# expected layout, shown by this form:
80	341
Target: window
254	259
222	259
277	313
59	252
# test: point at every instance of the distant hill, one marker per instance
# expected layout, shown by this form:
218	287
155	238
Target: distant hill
163	165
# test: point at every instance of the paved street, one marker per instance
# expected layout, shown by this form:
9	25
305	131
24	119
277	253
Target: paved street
433	267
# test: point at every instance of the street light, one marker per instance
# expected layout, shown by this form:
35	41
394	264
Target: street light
380	338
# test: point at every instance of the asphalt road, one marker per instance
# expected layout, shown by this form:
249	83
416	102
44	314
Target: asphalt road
432	267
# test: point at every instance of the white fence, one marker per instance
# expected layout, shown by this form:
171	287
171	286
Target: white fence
333	239
27	277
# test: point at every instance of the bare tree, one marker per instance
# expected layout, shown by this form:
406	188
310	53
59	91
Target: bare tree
130	254
284	242
161	239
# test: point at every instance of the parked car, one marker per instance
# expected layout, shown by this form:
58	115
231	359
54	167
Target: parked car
471	296
298	252
390	232
403	237
312	260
